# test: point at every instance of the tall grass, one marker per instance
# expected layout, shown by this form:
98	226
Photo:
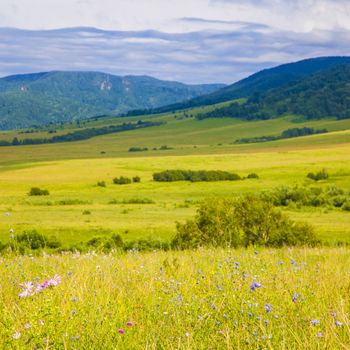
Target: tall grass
204	299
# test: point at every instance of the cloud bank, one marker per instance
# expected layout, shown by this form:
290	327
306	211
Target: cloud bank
195	57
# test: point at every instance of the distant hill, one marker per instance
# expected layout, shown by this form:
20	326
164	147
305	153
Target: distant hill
260	82
41	98
321	95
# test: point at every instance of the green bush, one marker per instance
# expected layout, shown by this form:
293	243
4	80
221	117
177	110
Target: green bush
34	240
101	183
253	176
194	175
320	175
121	180
241	222
36	191
136	179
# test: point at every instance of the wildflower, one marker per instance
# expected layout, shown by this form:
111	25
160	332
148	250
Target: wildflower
254	285
334	315
27	289
268	308
27	326
338	323
319	335
130	324
70	272
55	281
41	322
295	297
16	335
187	334
315	322
121	331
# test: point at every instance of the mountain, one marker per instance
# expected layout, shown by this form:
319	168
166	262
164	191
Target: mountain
260	82
321	95
41	98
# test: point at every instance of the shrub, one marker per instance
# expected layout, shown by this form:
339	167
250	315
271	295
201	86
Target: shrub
241	222
36	191
194	176
34	240
253	176
101	183
320	175
86	212
138	149
136	179
105	243
122	180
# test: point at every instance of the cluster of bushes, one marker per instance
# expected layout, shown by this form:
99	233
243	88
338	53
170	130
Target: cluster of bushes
194	176
29	241
36	191
320	175
123	180
132	201
309	196
138	149
32	241
236	222
286	134
82	134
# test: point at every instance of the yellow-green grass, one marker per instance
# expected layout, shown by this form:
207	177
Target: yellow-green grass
76	180
186	137
204	299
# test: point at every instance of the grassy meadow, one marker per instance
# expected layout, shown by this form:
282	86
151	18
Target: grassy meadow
204	299
288	298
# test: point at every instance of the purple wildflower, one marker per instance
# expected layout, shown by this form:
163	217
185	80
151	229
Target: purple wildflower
295	297
255	285
315	322
121	331
268	308
130	324
338	323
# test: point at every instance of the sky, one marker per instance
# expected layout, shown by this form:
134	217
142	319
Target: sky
193	41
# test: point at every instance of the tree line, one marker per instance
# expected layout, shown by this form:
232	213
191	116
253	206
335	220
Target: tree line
82	134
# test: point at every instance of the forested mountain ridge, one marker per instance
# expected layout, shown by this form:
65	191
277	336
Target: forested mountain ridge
260	82
41	98
321	95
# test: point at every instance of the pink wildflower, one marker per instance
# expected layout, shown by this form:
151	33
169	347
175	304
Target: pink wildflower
27	289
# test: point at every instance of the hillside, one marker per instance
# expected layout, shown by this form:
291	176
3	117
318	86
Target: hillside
260	82
41	98
322	95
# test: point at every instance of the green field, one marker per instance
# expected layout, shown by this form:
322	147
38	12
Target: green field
70	171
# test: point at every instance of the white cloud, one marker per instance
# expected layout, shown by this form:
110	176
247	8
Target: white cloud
296	15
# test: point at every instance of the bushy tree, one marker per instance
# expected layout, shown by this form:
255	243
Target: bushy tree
245	221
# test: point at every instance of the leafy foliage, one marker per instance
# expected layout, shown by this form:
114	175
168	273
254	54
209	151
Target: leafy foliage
241	222
194	176
122	180
36	191
320	175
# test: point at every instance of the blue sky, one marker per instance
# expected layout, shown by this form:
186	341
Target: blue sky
194	41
